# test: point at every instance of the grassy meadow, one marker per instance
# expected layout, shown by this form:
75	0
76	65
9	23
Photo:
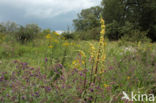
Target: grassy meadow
52	69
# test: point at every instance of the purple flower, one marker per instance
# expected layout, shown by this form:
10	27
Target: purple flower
23	97
91	90
47	88
25	64
46	59
81	74
37	94
60	66
111	68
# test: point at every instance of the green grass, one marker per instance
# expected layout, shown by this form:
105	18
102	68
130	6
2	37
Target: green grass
127	68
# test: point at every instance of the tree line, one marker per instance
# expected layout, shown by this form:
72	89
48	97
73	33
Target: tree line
133	20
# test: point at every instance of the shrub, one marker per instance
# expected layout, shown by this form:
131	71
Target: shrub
27	33
133	34
68	35
91	34
113	31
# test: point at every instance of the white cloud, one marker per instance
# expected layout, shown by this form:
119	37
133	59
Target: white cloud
48	8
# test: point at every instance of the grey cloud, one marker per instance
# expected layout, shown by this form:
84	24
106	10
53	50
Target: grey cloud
54	14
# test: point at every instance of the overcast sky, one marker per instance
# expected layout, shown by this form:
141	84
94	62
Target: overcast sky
53	14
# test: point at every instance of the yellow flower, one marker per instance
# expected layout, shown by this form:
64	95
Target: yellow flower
56	33
128	77
80	69
103	57
92	50
50	46
104	43
66	44
103	26
82	53
74	62
83	62
105	85
102	21
101	71
102	32
48	36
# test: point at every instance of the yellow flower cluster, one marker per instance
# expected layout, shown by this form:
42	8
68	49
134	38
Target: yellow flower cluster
48	36
92	50
106	85
77	64
50	46
57	34
82	53
66	44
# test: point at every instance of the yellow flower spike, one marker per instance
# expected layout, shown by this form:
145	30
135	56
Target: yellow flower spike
48	36
104	43
82	53
102	32
103	26
92	50
102	21
103	57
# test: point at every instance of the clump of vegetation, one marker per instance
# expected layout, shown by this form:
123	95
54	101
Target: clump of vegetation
27	33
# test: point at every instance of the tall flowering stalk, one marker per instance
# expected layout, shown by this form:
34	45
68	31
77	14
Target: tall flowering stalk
99	57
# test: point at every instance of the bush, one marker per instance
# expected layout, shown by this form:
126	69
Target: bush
91	34
68	35
27	33
133	34
113	31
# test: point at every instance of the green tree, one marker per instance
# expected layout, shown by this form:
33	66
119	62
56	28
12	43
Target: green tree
88	19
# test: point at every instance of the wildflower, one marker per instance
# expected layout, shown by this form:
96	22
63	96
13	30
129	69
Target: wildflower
48	36
56	33
46	60
50	46
66	44
74	62
128	77
104	43
103	57
102	32
106	86
47	88
82	53
102	21
92	51
83	62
